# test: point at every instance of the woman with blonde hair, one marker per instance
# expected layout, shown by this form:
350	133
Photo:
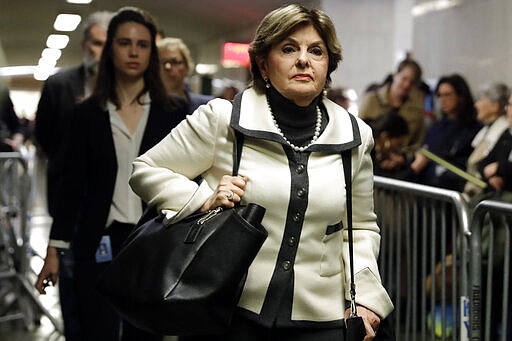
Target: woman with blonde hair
175	65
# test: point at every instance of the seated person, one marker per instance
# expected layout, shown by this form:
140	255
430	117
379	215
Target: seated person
496	168
399	93
449	138
492	107
389	132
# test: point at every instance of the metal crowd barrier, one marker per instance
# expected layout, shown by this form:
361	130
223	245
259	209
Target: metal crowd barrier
19	300
490	271
424	259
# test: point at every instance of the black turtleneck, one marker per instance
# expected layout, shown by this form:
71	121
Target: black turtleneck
297	123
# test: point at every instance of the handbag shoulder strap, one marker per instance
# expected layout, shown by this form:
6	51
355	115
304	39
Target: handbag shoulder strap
346	156
238	143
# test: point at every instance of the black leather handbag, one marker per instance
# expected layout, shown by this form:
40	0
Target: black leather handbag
186	278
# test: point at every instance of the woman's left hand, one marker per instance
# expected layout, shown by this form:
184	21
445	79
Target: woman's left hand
228	192
371	321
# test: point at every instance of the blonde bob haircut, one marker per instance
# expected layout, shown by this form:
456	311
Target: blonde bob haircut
279	24
170	43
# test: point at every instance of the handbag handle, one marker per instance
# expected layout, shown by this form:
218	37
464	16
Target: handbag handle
346	156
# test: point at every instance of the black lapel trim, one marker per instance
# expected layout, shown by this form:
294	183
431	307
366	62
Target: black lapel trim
259	134
338	148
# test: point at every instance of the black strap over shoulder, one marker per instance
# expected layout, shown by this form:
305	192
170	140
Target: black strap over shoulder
238	143
346	157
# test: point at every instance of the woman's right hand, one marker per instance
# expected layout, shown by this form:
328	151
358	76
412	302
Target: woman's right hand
50	271
370	319
229	191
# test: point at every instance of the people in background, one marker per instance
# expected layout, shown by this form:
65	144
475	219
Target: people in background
53	120
127	113
496	170
491	112
296	288
61	92
229	92
176	64
12	132
449	137
340	96
399	93
496	167
389	132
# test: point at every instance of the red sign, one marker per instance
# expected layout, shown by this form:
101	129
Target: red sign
235	55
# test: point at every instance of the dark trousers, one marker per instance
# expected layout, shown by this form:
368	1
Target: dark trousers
68	297
99	321
243	329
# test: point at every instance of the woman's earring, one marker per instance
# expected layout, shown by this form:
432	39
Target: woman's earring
267	83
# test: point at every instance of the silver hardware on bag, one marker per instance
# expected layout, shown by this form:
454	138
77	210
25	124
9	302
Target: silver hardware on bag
197	227
209	215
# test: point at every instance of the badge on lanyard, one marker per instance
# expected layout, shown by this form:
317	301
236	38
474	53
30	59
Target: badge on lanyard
104	251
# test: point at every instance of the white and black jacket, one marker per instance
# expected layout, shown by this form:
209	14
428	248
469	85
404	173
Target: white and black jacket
305	257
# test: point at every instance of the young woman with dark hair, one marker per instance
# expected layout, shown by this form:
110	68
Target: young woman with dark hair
127	113
450	137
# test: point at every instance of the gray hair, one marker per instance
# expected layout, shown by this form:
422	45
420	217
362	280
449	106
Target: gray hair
170	43
497	92
100	18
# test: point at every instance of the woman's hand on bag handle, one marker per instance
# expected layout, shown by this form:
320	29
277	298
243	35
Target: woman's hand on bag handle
370	319
50	271
229	191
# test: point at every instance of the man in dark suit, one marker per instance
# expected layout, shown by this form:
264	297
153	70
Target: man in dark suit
59	95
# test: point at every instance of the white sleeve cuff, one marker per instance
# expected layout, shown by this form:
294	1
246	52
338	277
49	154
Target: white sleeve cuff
59	244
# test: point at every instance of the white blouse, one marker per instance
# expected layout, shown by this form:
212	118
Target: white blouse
126	205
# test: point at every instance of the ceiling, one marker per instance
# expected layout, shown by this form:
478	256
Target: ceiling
25	24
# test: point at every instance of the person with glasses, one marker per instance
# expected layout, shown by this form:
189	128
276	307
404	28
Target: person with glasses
449	137
491	107
175	65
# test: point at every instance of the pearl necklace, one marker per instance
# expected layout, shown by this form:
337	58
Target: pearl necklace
316	134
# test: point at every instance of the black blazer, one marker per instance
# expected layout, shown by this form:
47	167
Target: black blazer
59	95
89	173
